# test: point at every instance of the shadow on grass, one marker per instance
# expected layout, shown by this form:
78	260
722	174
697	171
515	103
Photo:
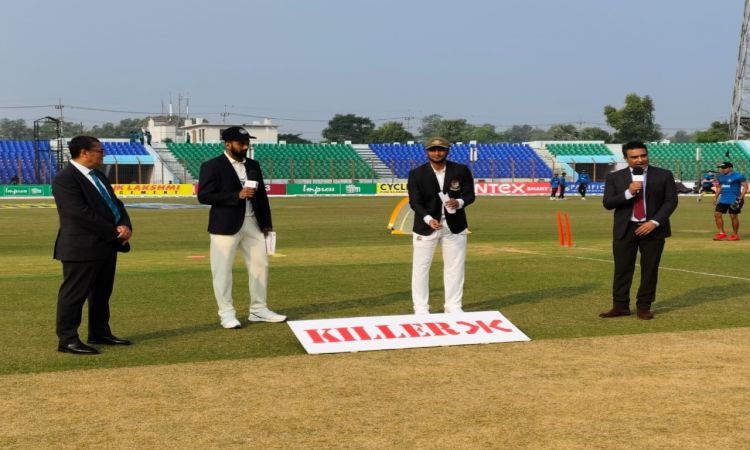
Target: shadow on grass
701	295
302	312
527	297
296	313
159	334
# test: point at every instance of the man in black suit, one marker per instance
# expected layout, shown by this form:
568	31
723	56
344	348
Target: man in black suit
439	192
94	227
240	219
643	198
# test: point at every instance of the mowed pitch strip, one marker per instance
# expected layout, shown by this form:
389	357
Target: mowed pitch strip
687	390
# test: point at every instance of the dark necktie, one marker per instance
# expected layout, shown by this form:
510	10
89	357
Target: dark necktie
105	196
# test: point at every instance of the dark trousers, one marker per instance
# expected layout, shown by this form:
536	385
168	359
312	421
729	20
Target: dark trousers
625	251
582	189
92	280
554	192
562	191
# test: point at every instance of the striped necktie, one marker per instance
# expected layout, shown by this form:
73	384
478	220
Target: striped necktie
105	196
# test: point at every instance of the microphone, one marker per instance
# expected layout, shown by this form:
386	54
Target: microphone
252	179
638	176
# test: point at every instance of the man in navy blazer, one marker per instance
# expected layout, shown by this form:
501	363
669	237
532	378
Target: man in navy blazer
643	197
94	227
439	220
240	219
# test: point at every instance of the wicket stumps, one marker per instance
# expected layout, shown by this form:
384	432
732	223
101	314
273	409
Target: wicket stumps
564	233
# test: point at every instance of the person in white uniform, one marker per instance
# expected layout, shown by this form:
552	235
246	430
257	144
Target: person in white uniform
439	192
240	219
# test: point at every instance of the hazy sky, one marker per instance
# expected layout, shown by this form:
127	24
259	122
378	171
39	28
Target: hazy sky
502	62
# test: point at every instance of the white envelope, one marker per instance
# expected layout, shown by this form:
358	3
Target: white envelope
444	198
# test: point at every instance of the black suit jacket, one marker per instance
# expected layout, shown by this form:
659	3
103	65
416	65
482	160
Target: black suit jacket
423	190
88	230
219	186
661	200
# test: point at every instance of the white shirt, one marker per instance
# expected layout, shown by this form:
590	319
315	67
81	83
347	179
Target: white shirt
239	167
628	195
85	171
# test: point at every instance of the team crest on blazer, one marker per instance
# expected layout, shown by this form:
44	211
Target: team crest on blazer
455	185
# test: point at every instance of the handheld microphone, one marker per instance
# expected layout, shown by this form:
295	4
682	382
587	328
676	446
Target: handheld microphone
638	174
638	177
252	179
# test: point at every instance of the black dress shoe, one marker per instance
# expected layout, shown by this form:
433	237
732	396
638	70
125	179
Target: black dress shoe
77	348
645	314
615	312
108	340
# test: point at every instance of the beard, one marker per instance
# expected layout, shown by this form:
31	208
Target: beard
241	154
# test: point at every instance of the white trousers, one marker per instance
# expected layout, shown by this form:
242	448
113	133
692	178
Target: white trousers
454	257
251	243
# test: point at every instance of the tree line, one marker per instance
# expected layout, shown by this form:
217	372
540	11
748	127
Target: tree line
632	121
18	129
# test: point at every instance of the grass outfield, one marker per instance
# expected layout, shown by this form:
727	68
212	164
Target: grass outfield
338	261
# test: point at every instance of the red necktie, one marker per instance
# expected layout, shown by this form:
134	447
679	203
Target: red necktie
639	209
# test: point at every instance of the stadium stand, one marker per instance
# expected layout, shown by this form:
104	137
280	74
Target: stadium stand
17	160
314	161
680	158
286	161
21	153
124	148
192	155
493	160
578	149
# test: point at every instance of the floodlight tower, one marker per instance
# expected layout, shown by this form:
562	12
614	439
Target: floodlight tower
739	122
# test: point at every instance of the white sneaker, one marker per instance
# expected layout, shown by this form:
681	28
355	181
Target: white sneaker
231	324
266	316
421	312
454	311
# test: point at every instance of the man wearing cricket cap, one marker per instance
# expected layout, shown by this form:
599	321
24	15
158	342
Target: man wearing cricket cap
730	197
439	192
240	219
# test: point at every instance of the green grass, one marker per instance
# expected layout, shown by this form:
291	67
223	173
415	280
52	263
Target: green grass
338	261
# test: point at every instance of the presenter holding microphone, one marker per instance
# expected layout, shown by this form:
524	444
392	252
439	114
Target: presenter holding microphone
439	192
239	219
643	197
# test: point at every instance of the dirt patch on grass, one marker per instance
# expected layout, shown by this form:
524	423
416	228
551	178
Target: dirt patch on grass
672	390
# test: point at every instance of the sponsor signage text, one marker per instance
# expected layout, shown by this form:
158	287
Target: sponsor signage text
535	188
25	190
316	189
407	331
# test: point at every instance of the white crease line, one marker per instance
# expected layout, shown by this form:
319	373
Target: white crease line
670	268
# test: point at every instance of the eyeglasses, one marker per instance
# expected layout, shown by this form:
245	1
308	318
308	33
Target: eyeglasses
437	149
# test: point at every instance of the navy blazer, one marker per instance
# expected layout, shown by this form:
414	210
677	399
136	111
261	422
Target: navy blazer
423	190
219	186
88	230
661	200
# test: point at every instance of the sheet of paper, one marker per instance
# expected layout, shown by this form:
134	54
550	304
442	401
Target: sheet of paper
271	243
